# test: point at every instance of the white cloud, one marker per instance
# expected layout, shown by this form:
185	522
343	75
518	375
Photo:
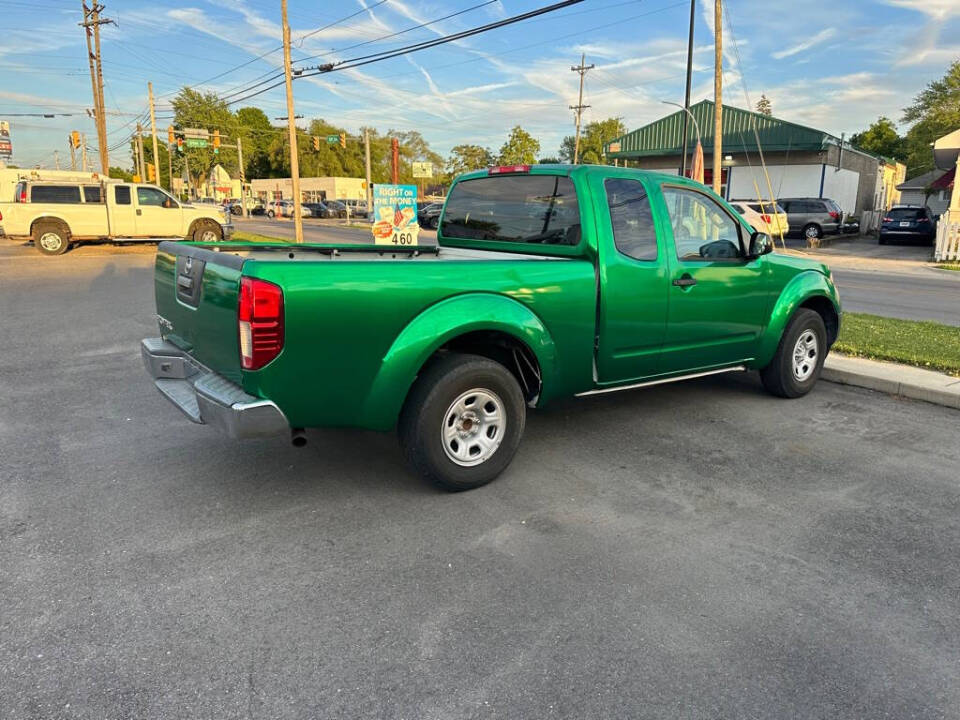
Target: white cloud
937	9
820	37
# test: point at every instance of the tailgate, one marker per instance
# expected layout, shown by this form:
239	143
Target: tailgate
197	291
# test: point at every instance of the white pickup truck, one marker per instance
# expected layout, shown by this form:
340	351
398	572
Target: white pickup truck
56	214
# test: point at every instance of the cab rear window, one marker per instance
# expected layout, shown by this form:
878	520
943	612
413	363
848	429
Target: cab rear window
535	209
55	194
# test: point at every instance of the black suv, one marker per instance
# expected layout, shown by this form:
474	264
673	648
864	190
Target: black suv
908	222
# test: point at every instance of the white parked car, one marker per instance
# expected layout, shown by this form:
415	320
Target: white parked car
284	208
763	215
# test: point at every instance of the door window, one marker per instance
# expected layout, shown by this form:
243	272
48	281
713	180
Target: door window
702	230
122	194
631	218
151	196
91	193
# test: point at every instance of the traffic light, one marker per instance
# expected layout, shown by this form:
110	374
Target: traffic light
343	140
180	144
151	172
316	142
170	136
75	139
216	138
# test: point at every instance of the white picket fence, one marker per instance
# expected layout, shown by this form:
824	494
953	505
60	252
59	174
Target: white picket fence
948	241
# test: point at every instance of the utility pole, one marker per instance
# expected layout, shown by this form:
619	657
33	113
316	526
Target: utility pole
394	161
292	127
186	166
73	153
83	152
153	131
91	24
579	107
170	167
243	178
686	101
717	95
143	165
366	150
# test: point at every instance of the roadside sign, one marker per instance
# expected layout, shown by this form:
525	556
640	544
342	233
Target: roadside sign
614	147
6	144
422	169
196	143
201	133
395	215
333	139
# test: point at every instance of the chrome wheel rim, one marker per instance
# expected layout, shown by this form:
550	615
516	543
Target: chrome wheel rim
473	427
811	232
805	354
51	241
208	236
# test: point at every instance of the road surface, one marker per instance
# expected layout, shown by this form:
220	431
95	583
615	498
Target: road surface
700	550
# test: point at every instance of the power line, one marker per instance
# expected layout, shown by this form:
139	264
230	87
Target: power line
416	47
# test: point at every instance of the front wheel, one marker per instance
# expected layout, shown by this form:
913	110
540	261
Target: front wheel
798	361
462	421
270	214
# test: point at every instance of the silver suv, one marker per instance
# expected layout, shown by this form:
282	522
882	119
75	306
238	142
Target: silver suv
813	217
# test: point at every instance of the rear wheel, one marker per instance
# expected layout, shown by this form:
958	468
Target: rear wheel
207	231
812	231
269	213
881	240
51	237
796	366
462	421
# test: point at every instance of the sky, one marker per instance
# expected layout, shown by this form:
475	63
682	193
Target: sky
835	65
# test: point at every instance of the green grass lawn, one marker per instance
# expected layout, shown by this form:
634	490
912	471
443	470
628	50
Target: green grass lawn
949	266
242	236
924	344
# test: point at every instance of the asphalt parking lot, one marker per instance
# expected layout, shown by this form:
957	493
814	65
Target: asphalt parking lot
700	550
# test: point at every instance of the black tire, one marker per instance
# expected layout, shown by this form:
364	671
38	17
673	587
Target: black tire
270	214
51	237
236	210
422	420
881	240
778	377
204	229
812	231
434	223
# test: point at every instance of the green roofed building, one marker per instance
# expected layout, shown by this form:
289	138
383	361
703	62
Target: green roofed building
801	161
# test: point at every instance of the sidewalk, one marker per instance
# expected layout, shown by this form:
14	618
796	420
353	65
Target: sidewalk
900	380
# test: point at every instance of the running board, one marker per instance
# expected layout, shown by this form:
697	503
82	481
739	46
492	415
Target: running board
649	383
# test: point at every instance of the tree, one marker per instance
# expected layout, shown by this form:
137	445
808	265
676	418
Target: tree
881	138
594	137
934	113
464	158
119	173
521	148
193	109
256	133
764	106
548	161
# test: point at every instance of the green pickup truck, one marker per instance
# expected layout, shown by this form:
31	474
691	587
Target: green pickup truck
547	281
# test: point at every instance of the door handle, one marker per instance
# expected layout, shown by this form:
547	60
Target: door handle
139	211
684	281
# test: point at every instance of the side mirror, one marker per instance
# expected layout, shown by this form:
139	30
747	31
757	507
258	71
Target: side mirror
760	244
168	203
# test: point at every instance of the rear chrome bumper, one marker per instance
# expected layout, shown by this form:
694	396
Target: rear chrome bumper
207	398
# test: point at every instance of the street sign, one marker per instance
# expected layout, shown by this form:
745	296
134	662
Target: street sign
422	169
6	144
196	143
201	133
395	215
333	139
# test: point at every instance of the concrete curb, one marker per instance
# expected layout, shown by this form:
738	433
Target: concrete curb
899	380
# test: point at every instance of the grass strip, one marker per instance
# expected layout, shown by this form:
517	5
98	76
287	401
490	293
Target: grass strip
243	236
927	345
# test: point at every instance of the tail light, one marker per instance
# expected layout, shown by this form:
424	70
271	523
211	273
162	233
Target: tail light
888	219
506	169
259	322
834	214
765	218
919	220
23	194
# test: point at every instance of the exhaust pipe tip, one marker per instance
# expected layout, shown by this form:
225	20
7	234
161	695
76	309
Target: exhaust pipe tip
298	438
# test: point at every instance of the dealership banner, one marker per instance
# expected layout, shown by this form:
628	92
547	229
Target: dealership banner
6	145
